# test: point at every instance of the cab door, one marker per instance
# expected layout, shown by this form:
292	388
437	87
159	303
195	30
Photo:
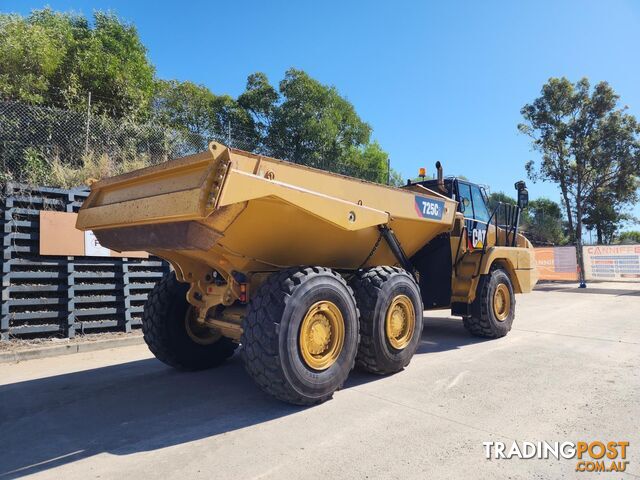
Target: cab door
472	204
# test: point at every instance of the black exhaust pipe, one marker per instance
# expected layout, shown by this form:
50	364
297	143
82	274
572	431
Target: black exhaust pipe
441	186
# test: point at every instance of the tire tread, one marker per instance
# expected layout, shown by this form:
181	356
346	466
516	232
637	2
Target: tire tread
261	332
159	337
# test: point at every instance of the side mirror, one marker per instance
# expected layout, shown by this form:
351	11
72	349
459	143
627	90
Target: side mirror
523	194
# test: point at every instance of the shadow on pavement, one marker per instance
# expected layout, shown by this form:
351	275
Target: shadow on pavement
440	334
592	290
144	405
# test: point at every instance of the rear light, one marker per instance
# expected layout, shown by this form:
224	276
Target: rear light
243	293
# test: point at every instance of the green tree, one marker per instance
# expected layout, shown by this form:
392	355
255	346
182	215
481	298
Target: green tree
185	105
259	100
193	108
53	58
497	198
112	64
368	161
629	237
588	145
313	124
236	124
606	213
543	222
396	179
32	51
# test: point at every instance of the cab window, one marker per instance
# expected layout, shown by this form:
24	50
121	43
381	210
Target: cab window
465	201
479	206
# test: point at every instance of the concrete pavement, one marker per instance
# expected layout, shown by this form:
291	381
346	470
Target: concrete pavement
568	371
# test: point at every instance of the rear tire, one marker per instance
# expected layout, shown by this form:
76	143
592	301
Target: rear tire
493	310
273	351
164	324
381	291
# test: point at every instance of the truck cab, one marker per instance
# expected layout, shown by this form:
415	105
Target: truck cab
473	203
485	239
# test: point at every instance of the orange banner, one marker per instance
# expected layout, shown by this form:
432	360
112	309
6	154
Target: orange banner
557	263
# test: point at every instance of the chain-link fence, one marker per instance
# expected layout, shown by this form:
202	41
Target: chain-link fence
53	147
33	140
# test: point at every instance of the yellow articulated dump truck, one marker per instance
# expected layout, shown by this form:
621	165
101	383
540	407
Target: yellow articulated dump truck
311	272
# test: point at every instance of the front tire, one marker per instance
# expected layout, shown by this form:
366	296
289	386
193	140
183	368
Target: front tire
170	331
300	334
493	310
391	318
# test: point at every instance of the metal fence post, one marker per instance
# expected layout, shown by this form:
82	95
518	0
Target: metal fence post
388	171
86	142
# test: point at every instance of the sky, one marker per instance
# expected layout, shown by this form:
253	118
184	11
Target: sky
435	80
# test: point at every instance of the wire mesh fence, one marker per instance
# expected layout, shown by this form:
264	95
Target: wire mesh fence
32	138
53	147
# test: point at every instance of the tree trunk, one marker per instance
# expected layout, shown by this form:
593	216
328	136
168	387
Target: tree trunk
567	206
599	232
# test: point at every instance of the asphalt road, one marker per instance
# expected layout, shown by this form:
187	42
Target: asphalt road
568	371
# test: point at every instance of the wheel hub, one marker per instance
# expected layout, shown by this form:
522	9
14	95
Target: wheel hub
400	322
319	334
199	333
501	302
322	334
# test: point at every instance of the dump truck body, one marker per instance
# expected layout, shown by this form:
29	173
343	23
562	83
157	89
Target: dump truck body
257	213
232	223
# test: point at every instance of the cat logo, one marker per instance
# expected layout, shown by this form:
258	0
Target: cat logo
478	237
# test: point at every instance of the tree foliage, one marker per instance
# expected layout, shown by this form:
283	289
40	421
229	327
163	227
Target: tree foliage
629	237
51	58
312	123
589	146
496	198
607	212
302	121
543	222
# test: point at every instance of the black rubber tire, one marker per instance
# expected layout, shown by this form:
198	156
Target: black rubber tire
166	335
271	333
374	289
483	322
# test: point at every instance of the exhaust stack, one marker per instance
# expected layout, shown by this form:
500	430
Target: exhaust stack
441	186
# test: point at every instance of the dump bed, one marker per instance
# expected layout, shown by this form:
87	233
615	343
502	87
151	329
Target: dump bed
252	213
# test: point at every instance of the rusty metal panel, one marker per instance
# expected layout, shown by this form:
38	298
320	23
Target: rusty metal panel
59	235
164	236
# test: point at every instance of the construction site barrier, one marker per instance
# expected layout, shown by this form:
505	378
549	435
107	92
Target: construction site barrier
65	294
618	263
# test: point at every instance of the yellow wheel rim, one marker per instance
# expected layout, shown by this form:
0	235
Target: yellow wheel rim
501	302
200	334
400	322
321	335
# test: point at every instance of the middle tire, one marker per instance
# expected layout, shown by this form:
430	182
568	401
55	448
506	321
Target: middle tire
390	318
300	334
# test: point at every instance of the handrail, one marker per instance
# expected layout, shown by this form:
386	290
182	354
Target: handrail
511	224
462	235
512	220
512	214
